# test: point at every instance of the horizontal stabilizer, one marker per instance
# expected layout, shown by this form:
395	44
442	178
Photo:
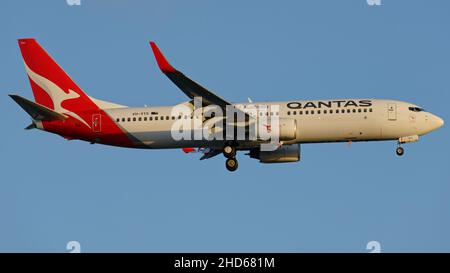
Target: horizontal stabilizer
37	111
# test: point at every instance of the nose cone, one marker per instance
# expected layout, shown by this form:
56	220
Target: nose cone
440	122
436	122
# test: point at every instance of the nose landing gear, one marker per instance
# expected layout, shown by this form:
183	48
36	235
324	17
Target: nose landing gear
407	139
399	151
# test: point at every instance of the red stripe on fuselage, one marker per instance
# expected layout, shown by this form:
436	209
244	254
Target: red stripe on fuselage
109	134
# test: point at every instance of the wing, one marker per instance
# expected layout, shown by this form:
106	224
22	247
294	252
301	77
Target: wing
188	86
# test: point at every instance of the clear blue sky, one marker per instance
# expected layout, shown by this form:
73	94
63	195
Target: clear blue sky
337	198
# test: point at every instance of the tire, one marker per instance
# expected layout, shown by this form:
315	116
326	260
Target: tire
400	151
229	151
231	164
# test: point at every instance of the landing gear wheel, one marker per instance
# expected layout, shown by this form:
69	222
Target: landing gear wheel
400	151
229	151
231	164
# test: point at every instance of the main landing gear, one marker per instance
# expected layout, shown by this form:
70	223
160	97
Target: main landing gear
230	153
231	164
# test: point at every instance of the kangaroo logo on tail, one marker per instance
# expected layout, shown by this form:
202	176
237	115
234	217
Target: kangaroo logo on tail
57	95
50	82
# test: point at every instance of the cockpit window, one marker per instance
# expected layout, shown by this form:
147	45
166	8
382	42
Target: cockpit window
416	109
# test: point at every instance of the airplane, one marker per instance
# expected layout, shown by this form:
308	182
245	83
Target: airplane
61	107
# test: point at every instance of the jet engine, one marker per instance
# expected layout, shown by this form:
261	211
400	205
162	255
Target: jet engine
285	153
287	129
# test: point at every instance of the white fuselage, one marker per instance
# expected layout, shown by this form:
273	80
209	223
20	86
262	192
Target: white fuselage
317	121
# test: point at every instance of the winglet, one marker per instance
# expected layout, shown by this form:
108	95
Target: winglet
163	64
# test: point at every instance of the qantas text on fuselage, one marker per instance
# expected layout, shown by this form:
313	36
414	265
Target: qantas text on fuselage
329	104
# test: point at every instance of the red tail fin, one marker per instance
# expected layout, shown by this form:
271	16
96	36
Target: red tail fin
51	86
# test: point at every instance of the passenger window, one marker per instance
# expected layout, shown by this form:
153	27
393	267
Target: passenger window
129	119
370	110
289	113
318	112
348	111
306	112
118	120
150	118
140	119
359	110
134	119
300	112
145	118
331	111
354	110
123	119
365	110
156	118
325	111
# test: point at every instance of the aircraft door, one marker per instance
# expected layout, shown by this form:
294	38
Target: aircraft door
96	123
392	111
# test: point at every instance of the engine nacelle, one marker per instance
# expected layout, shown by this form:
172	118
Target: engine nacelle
287	129
286	153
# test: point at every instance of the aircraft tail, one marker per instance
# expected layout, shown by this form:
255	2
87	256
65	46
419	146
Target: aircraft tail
51	86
